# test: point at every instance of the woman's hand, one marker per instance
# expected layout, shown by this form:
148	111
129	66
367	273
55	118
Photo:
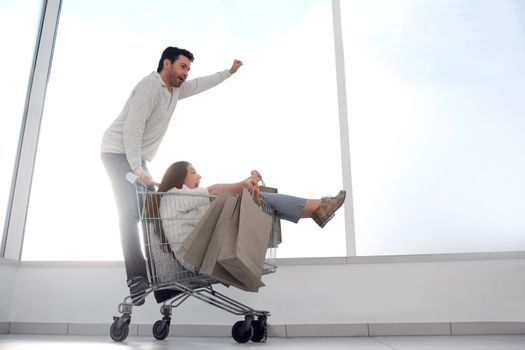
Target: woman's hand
255	192
249	183
253	180
256	175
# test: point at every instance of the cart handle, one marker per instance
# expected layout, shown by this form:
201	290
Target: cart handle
135	180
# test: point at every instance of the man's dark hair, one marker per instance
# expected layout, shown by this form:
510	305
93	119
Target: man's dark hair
172	53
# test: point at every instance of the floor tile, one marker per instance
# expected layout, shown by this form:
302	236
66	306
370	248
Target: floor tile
56	342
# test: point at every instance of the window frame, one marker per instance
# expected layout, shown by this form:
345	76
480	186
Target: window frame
21	185
13	234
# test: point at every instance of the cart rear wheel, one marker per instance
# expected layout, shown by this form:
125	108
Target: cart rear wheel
119	333
240	333
260	331
161	329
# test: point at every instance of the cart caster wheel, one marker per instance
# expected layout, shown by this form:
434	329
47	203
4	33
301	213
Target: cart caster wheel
161	329
119	333
240	333
260	331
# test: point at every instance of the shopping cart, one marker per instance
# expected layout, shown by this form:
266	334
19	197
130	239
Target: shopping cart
165	272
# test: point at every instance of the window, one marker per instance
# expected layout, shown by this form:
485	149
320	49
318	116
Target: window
277	115
19	25
435	101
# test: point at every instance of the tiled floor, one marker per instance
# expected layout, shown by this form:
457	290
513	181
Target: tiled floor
45	342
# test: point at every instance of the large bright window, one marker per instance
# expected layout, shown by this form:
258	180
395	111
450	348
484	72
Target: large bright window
436	119
19	25
278	114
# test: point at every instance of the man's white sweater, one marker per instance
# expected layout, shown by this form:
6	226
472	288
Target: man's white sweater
140	127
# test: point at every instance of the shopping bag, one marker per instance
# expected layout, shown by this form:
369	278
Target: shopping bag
242	253
226	227
276	236
194	246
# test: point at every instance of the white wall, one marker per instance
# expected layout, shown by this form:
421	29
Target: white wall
7	277
442	291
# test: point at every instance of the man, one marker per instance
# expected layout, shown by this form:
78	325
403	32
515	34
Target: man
134	138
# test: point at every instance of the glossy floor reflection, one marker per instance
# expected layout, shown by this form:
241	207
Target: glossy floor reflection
45	342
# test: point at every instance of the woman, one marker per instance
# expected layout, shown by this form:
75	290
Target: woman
181	211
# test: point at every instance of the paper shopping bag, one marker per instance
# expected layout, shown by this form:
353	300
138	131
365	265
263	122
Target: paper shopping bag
276	235
194	246
243	254
225	229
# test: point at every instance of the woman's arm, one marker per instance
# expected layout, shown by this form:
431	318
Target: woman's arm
217	189
236	188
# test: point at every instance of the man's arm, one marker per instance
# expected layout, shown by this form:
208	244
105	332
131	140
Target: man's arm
235	66
140	107
198	85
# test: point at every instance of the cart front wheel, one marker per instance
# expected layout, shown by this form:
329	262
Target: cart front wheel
241	333
161	329
260	331
119	333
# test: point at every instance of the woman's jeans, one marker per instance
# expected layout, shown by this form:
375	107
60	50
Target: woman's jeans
286	207
117	167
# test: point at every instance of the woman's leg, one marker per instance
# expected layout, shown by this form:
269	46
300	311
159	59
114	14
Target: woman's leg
289	207
310	207
286	207
326	210
292	208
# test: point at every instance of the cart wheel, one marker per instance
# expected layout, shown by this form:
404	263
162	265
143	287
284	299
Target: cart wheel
260	331
119	333
161	329
240	333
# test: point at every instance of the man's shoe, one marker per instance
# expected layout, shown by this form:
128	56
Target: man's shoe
137	287
165	294
328	207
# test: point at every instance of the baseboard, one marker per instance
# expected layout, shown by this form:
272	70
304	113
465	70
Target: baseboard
293	330
472	328
4	327
38	328
327	330
430	328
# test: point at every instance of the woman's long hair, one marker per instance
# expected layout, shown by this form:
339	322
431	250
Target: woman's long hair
173	177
